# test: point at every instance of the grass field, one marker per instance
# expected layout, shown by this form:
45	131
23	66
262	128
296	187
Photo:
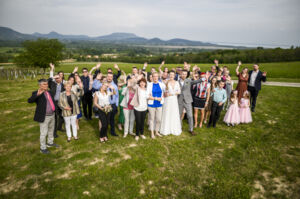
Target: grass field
283	72
258	160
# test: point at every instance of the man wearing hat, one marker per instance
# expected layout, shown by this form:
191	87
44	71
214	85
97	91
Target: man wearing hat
44	114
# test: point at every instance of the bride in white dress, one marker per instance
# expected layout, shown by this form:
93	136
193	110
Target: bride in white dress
170	123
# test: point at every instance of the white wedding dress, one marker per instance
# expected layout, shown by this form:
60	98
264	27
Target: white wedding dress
170	123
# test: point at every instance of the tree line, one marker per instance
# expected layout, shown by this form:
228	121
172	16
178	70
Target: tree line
39	53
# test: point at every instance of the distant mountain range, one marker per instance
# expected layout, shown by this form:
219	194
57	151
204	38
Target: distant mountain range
7	34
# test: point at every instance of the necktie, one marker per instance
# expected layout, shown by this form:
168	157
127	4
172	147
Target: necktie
111	97
50	100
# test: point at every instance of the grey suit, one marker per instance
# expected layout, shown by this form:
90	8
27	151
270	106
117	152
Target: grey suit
185	100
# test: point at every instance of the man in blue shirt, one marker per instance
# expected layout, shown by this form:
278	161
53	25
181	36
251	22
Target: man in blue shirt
219	98
114	101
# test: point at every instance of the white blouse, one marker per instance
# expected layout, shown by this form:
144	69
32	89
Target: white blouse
103	98
142	100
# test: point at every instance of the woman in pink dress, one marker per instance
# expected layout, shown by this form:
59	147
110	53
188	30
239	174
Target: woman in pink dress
232	116
245	113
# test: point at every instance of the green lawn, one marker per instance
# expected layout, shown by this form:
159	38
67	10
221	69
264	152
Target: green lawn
283	72
258	160
275	70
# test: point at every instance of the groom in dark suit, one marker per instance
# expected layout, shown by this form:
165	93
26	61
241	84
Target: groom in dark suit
254	84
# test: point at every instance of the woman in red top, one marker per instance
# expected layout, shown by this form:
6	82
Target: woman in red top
243	80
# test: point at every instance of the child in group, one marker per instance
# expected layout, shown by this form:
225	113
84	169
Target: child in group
245	113
232	116
219	98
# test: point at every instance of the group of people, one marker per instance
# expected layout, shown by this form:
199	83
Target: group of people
167	96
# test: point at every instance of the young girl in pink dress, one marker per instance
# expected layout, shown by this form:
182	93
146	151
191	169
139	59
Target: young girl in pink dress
245	113
232	116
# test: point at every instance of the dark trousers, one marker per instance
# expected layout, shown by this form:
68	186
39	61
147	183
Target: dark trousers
253	96
215	114
104	118
87	102
58	119
112	118
140	117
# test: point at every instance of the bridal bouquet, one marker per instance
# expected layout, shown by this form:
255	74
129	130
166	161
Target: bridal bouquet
107	108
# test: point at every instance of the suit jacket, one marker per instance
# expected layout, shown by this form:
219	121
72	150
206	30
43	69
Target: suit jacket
186	96
258	79
41	105
52	86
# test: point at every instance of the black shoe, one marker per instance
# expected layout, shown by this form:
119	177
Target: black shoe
90	119
86	118
53	145
214	126
55	136
44	151
208	126
114	134
253	110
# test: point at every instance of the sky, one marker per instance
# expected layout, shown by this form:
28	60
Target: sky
257	22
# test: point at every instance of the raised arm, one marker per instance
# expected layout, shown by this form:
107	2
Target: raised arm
216	63
160	71
75	69
264	77
118	69
35	95
51	70
237	68
195	81
145	66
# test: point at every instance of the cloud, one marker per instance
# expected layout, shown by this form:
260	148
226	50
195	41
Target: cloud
252	21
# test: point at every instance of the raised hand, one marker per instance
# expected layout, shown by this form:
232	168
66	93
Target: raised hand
116	66
40	91
195	67
145	65
264	74
75	69
216	62
239	63
98	65
51	66
163	62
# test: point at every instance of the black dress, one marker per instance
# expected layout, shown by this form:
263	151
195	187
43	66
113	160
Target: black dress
198	103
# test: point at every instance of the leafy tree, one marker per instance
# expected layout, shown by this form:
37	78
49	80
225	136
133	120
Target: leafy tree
40	52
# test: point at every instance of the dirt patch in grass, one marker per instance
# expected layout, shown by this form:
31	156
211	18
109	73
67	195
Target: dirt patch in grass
277	185
15	185
260	191
95	161
7	112
66	175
